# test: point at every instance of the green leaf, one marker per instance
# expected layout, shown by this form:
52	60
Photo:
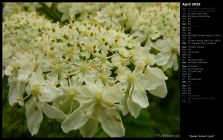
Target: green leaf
50	12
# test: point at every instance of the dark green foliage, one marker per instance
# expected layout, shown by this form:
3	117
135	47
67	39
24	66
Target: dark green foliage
50	12
13	117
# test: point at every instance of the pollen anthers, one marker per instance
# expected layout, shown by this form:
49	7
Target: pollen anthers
35	90
84	67
15	68
103	57
36	65
72	91
103	77
70	51
98	97
131	78
58	68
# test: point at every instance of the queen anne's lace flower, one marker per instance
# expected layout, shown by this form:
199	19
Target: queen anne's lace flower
92	68
15	7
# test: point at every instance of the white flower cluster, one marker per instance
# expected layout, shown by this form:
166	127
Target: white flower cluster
155	25
15	7
85	73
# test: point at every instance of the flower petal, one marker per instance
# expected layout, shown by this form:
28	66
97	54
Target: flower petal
133	108
78	118
157	73
65	103
160	91
161	44
151	79
169	63
34	116
53	76
52	112
37	79
140	97
86	92
175	62
49	93
162	58
123	106
114	94
90	128
24	72
148	83
8	70
111	123
16	91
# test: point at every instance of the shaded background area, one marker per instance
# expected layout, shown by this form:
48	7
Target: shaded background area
160	119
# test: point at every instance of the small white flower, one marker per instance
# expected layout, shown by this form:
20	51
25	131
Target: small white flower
58	70
167	57
44	90
84	70
118	60
156	82
142	57
16	91
101	60
97	105
136	93
104	75
34	115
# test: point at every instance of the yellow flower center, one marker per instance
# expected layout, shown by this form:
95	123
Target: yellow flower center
36	65
15	68
103	57
98	97
89	48
131	78
69	51
72	92
51	54
103	77
35	90
84	67
58	68
148	61
122	60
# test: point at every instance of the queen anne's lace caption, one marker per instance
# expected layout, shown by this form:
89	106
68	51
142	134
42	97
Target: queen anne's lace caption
93	69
